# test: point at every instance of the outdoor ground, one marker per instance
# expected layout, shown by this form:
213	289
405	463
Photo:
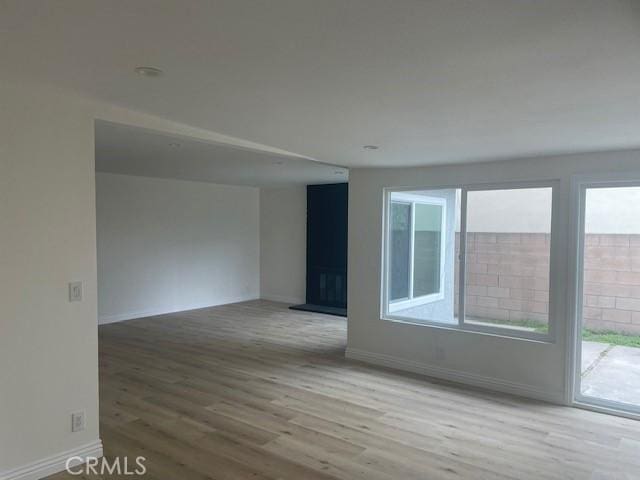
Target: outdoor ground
611	372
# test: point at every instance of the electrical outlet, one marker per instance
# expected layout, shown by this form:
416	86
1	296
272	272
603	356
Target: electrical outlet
77	421
75	292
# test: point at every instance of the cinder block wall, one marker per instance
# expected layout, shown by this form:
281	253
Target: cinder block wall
508	279
612	282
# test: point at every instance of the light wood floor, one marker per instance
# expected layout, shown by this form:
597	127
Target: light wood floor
257	391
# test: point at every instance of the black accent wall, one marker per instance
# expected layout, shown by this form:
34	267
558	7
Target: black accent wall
327	210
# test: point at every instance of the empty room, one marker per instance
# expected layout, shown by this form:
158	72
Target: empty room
320	239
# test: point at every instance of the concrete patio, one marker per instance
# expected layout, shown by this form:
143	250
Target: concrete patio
611	372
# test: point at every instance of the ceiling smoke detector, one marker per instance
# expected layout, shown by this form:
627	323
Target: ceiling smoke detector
148	71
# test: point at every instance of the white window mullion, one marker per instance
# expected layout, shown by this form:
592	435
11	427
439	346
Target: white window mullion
412	246
462	258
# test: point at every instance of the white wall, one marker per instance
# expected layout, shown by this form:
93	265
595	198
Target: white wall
531	368
48	346
283	233
509	211
173	245
610	211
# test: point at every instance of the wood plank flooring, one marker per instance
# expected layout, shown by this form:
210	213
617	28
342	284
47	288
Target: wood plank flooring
256	391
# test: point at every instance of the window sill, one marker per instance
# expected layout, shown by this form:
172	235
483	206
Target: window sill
499	332
415	302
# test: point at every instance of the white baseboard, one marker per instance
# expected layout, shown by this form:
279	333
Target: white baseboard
282	299
54	464
105	319
456	376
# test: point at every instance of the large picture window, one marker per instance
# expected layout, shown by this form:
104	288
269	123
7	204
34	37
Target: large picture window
475	258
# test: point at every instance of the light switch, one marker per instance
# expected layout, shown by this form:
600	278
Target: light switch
75	292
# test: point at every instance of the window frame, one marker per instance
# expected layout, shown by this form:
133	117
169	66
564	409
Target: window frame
579	185
550	336
411	300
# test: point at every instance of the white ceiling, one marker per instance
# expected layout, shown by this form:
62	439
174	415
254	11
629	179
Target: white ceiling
430	81
135	151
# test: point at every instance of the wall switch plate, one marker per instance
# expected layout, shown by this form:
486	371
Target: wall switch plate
77	421
75	291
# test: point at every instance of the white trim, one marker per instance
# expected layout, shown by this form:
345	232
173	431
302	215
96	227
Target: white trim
403	304
413	199
606	410
403	196
574	292
121	317
412	247
462	259
510	185
384	257
53	464
556	308
282	299
605	404
494	331
484	382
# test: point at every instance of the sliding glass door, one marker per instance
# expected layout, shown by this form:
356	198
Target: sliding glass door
607	363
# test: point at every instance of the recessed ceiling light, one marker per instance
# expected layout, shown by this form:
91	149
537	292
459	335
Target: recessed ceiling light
370	147
175	145
148	71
